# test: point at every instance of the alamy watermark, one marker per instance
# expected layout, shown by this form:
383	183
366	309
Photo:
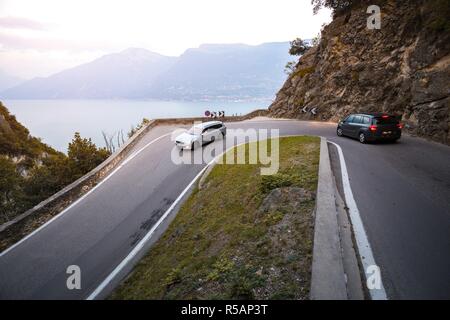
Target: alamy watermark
241	146
73	281
374	20
373	275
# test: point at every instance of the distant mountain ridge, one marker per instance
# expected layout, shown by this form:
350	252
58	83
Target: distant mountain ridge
238	70
208	72
117	75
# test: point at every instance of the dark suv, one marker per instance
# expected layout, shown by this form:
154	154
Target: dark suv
370	127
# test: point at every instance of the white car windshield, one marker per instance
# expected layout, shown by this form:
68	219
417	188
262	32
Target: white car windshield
194	131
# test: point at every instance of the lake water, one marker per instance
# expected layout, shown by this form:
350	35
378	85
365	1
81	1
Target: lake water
55	121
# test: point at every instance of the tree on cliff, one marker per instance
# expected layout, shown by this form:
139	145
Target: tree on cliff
298	47
84	155
58	171
335	5
31	171
290	67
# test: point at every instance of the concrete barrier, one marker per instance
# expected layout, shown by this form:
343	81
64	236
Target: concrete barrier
335	270
328	277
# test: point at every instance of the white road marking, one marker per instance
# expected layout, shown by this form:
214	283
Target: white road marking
133	155
82	197
364	248
359	231
142	242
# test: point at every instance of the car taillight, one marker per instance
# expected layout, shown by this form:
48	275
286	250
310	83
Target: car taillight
373	128
399	125
385	117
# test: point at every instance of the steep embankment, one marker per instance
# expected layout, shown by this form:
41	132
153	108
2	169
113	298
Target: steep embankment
403	68
18	145
20	157
31	171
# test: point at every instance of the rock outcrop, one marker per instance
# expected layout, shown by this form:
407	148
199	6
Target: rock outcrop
402	68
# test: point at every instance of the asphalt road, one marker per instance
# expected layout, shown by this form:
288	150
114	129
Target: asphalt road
402	191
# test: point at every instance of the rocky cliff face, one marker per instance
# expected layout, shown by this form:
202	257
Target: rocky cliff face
403	68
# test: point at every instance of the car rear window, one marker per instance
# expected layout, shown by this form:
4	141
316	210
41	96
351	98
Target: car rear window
366	120
385	120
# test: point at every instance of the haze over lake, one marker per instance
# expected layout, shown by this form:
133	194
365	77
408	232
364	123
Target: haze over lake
56	121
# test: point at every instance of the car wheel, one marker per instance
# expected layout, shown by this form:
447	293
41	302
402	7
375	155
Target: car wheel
362	137
339	132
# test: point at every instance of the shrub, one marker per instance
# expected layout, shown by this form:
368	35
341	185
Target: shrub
133	129
335	5
38	170
243	281
10	182
290	67
220	268
304	72
298	47
174	276
278	180
84	155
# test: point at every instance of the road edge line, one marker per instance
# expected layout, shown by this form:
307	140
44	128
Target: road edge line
365	250
40	228
133	253
142	242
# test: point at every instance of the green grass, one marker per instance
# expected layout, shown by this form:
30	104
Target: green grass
221	246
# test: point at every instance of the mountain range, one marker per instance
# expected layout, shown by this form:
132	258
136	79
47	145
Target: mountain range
211	71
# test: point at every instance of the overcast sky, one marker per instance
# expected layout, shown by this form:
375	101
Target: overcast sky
38	38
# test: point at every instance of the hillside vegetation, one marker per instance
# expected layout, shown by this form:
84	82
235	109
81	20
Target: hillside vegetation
31	171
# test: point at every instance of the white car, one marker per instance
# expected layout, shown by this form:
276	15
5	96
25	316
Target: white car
200	134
